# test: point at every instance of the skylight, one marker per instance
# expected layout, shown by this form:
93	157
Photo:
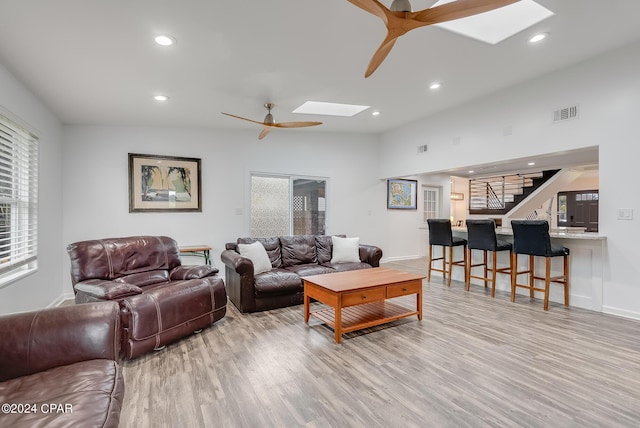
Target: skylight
330	109
500	24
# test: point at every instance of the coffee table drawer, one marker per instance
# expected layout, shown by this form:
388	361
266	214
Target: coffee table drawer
403	289
364	296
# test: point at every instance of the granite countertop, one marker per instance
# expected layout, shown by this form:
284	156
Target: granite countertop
565	233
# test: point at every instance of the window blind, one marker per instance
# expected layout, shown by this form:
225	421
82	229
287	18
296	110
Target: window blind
18	200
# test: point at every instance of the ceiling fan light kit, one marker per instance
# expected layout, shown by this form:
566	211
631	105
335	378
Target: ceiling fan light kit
399	19
400	6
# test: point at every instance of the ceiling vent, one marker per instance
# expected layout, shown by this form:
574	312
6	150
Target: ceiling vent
566	113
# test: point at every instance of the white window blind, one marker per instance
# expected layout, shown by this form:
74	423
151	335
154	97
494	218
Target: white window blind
18	201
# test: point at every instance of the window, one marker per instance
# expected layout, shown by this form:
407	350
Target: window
287	205
431	207
18	201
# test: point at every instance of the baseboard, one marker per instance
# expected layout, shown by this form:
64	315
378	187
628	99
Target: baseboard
621	312
61	299
395	259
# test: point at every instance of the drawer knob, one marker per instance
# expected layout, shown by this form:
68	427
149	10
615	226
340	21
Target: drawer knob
404	289
364	296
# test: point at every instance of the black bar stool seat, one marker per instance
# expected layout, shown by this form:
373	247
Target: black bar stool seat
531	237
440	234
481	235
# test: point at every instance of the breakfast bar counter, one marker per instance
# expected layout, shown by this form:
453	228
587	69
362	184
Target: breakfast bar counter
586	265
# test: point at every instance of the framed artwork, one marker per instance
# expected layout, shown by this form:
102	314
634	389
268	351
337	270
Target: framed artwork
402	194
164	183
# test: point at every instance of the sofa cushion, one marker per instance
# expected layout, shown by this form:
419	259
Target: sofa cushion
257	254
277	282
145	278
166	306
298	250
272	245
343	267
345	250
310	269
324	248
116	257
92	390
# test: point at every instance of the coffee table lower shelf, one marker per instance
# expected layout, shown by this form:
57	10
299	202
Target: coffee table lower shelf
365	315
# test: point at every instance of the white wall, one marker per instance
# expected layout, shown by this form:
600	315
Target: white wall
96	181
43	288
607	90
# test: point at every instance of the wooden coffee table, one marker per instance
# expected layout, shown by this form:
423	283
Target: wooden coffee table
358	298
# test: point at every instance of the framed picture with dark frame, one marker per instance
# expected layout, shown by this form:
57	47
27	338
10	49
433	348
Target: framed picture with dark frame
164	183
402	194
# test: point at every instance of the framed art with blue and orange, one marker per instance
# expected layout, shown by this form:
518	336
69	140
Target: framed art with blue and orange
402	194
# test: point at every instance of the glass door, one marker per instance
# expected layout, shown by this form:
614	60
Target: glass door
287	205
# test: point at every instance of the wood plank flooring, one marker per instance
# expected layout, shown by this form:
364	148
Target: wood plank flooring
473	361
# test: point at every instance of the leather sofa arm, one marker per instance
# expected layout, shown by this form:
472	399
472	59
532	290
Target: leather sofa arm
239	280
40	340
370	254
241	265
100	289
192	272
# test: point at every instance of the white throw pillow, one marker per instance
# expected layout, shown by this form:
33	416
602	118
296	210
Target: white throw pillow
345	250
258	255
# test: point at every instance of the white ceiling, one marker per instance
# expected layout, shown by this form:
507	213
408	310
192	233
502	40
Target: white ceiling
95	61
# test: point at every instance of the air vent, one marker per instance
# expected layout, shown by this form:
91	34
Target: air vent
566	113
422	148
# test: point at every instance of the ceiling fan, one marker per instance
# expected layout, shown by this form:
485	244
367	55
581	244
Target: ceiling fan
399	19
270	123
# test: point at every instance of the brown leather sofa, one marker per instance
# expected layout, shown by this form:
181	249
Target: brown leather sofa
292	257
160	299
58	367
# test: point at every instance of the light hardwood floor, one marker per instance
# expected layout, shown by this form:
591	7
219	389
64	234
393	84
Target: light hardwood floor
473	361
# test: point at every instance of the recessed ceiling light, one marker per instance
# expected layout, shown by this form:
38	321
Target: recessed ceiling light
330	109
161	98
471	172
435	85
165	40
375	113
538	37
531	163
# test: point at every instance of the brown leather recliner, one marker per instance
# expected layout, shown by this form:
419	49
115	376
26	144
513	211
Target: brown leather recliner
58	367
160	299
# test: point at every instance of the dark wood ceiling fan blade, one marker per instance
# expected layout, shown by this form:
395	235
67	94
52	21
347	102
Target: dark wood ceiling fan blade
380	54
243	118
458	9
264	132
372	6
296	124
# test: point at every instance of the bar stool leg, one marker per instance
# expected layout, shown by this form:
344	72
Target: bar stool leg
547	277
450	265
566	280
486	270
430	263
444	264
494	259
514	274
464	257
532	270
467	269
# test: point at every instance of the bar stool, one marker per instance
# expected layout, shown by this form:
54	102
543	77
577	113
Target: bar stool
481	235
440	234
531	237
